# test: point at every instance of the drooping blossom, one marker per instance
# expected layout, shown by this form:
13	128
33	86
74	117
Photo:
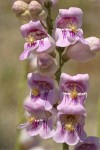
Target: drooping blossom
73	92
39	122
46	64
37	39
43	93
69	128
82	52
68	27
90	143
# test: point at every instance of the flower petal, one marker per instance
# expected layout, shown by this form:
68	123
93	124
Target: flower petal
28	50
24	125
37	77
61	37
92	143
81	79
47	129
71	109
80	52
72	138
34	128
46	45
59	134
27	28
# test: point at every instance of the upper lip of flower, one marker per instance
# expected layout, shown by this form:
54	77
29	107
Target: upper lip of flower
73	88
69	24
35	35
43	85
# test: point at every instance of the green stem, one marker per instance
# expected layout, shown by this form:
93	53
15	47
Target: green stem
58	73
65	146
48	5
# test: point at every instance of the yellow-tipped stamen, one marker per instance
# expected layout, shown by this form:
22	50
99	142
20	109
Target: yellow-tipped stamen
35	92
72	27
70	124
69	127
30	39
74	93
31	119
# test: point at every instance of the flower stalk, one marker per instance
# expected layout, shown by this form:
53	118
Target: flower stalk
48	5
65	146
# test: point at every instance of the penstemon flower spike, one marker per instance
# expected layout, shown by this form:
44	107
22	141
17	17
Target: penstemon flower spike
56	110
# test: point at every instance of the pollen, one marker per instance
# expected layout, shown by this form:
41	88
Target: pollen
35	92
30	39
73	28
69	127
74	93
31	119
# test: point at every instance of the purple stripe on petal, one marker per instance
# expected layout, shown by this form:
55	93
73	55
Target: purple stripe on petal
34	128
64	33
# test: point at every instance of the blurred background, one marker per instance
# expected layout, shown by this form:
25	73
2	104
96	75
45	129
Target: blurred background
13	84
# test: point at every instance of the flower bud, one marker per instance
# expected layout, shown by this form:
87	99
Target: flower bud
43	14
37	11
35	7
33	62
24	16
94	43
19	7
46	64
84	52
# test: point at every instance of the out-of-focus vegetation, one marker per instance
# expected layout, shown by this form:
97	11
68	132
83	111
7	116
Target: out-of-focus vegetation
13	86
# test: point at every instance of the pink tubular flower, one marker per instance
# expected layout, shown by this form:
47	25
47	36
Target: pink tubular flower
39	122
69	128
73	92
43	92
37	39
90	143
82	52
68	27
46	64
